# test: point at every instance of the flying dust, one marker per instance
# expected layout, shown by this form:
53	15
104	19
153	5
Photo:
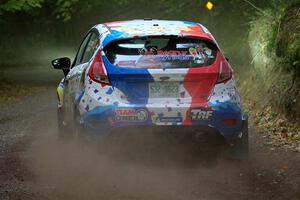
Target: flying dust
129	164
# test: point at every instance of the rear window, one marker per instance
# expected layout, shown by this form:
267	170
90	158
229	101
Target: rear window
160	53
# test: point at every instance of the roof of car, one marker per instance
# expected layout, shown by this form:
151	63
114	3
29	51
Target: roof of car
148	27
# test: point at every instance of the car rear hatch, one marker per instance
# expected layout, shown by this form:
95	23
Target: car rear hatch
150	70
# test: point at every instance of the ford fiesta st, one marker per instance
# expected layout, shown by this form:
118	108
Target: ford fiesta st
150	73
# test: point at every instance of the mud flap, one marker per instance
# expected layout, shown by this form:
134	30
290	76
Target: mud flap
239	150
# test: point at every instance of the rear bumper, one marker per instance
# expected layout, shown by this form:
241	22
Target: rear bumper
104	120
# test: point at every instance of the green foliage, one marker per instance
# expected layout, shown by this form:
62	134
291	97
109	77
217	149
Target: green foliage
20	5
61	8
64	9
275	46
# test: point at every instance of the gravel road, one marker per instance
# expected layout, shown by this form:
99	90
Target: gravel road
35	164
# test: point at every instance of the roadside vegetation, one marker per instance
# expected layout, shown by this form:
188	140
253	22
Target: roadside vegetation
272	87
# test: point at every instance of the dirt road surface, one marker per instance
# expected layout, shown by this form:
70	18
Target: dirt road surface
35	164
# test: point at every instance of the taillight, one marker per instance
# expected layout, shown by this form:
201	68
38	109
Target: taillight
225	72
97	70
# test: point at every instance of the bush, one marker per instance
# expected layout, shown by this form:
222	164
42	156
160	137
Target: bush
274	39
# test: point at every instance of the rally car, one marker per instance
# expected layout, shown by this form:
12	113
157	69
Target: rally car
150	73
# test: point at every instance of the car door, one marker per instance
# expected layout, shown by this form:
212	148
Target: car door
72	81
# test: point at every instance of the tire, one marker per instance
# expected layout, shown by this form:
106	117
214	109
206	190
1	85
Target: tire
240	148
68	126
62	129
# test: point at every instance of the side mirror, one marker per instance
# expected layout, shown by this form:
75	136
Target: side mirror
61	63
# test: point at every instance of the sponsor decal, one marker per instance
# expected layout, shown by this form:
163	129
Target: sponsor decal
201	53
201	114
168	53
170	119
131	115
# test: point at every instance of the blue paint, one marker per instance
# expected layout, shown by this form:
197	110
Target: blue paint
78	99
182	94
99	111
114	35
109	91
226	106
190	23
134	83
96	120
226	110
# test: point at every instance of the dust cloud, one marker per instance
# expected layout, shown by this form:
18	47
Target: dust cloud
130	165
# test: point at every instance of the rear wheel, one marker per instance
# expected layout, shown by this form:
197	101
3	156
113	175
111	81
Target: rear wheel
240	148
62	129
68	124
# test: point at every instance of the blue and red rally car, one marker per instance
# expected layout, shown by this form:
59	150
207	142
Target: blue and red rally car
150	73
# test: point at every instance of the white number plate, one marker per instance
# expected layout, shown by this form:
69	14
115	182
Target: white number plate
163	90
